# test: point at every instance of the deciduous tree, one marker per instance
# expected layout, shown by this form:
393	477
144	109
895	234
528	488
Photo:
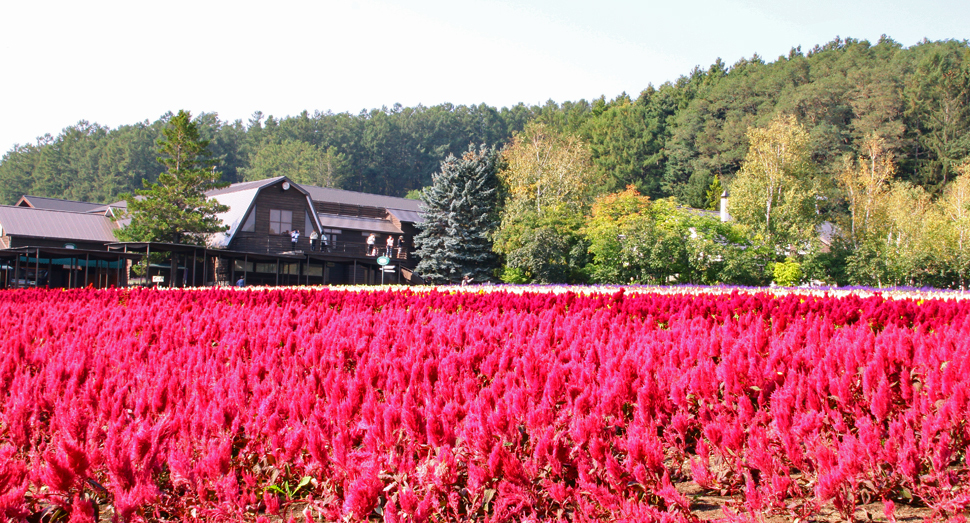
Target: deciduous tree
548	179
866	183
775	191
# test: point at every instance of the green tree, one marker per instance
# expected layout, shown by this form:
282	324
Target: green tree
301	162
626	142
16	169
635	240
788	273
175	209
938	108
955	207
775	192
714	192
459	219
865	184
548	179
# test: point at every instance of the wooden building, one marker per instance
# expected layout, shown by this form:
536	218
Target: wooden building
262	215
257	248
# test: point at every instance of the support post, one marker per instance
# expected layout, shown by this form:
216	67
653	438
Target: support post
37	269
16	273
87	261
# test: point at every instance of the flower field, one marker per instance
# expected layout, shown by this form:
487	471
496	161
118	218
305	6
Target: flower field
401	406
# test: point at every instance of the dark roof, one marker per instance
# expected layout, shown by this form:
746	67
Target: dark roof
47	223
54	204
406	215
357	224
324	194
111	207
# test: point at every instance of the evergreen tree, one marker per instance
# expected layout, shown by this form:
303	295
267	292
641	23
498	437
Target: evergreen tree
460	216
176	209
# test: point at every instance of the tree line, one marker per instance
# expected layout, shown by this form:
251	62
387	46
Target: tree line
671	140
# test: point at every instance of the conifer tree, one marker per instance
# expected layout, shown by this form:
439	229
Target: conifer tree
459	218
176	209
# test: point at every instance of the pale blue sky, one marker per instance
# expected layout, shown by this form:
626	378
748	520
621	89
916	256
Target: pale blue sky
120	62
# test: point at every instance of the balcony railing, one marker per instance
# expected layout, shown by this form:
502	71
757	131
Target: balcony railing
361	250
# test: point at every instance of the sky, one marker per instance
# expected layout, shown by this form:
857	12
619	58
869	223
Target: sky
122	62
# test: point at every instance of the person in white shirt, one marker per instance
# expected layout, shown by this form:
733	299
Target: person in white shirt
372	244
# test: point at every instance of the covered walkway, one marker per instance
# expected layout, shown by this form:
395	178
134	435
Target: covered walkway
62	268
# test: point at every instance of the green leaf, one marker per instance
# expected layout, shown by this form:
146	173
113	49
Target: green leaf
304	481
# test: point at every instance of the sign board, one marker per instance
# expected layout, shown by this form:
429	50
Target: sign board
70	246
388	268
383	260
158	279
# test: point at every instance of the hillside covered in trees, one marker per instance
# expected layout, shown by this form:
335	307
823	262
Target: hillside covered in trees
668	141
880	131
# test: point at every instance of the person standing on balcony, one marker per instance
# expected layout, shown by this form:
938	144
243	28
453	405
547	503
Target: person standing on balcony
313	240
294	237
372	244
390	245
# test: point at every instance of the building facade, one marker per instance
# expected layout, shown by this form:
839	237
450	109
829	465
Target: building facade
341	237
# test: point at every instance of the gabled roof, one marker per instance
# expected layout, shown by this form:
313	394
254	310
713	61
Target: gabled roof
47	223
239	197
54	204
325	194
244	186
111	208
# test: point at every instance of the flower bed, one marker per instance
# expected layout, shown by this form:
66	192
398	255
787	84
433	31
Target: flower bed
220	405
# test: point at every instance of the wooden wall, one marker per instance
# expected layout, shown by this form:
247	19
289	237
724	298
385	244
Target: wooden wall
274	197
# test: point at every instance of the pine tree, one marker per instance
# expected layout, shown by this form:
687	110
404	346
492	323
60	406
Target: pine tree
460	216
176	209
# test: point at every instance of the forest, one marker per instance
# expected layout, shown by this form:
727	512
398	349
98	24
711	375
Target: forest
879	128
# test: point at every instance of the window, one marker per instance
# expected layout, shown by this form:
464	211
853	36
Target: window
250	225
265	267
331	235
280	221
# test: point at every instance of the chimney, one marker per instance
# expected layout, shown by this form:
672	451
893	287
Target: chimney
725	217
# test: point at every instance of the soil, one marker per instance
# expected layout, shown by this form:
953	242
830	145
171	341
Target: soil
709	507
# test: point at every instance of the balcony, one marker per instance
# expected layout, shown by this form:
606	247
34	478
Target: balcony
361	250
